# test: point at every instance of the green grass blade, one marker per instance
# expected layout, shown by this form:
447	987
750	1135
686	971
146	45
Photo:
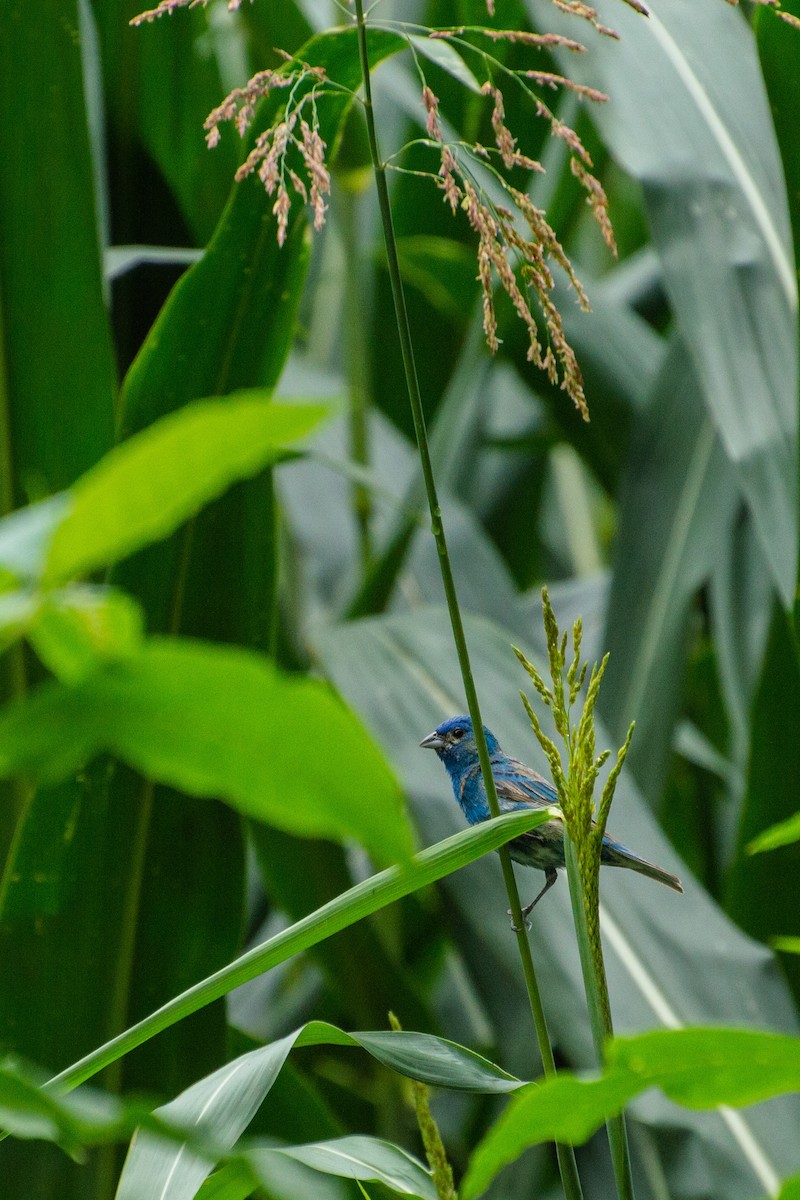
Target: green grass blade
365	898
366	1158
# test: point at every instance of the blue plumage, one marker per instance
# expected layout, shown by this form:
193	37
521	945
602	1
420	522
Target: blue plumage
518	787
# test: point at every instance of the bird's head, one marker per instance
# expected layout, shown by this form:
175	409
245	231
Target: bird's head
454	741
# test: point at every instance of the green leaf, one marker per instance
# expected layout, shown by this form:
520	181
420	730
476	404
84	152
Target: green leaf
355	1157
790	1189
365	898
218	722
161	81
57	370
779	51
700	1068
574	1107
679	475
88	1117
703	1068
147	486
233	1181
57	374
77	627
219	1108
761	890
782	834
433	1060
446	57
789	945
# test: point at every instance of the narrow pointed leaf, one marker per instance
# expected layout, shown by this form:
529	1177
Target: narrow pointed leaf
761	889
356	1157
57	375
447	58
365	898
221	1106
679	476
782	834
433	1060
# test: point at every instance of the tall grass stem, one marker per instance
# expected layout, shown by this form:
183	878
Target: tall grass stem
597	1001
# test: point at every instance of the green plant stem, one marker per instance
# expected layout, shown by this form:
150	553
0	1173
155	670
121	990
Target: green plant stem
597	1000
566	1155
358	382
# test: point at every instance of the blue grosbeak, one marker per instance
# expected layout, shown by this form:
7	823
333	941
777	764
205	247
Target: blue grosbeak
518	787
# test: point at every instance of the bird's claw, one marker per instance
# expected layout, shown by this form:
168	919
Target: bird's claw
516	928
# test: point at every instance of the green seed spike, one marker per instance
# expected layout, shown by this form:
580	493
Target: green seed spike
611	783
583	846
601	758
538	682
549	747
574	680
431	1138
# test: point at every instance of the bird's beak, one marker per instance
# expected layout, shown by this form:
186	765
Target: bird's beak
432	742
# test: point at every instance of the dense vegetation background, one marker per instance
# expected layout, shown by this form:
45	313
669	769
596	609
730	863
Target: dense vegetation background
133	280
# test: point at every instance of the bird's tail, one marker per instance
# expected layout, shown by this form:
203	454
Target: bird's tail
614	854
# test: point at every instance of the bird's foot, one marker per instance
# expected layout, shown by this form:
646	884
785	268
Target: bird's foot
516	928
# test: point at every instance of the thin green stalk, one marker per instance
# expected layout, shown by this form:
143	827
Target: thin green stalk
566	1155
357	374
595	986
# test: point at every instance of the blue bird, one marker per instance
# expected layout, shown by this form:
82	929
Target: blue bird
519	787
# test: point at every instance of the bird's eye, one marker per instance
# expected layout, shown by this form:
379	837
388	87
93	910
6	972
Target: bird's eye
458	734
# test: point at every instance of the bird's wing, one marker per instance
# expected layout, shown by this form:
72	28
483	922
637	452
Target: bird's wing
518	784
